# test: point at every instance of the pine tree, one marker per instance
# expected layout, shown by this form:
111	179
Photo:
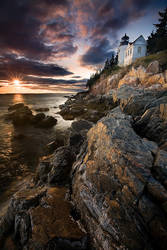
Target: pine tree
161	27
112	61
116	59
151	43
107	64
157	41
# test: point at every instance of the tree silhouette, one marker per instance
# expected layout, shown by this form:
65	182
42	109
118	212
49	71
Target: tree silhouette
157	41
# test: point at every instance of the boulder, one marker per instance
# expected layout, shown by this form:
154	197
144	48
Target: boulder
52	146
48	122
39	222
21	201
42	109
43	169
114	189
133	77
75	141
141	76
129	80
163	110
61	164
160	166
112	81
153	124
80	125
133	101
125	92
53	226
16	106
153	67
38	118
21	115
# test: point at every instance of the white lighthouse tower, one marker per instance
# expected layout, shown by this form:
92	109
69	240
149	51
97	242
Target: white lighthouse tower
129	52
121	51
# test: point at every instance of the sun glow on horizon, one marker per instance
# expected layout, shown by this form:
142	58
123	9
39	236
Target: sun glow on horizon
16	82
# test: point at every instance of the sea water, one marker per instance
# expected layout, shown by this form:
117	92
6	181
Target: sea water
22	147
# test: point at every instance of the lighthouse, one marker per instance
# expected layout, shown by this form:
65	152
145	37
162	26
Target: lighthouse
129	52
121	51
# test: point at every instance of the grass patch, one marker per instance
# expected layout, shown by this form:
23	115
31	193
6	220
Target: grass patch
161	57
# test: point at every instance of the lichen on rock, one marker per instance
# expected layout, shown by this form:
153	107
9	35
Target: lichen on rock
113	187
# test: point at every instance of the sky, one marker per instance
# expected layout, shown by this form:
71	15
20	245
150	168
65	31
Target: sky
55	45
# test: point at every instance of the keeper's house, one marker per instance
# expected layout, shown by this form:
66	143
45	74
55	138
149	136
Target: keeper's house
129	52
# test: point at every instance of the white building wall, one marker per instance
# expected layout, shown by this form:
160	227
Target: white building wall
140	50
128	56
129	53
121	53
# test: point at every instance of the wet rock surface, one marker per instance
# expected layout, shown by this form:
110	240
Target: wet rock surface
42	110
55	169
121	199
152	75
86	107
113	170
61	164
22	115
40	223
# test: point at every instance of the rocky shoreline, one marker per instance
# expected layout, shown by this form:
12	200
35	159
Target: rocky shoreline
22	115
107	187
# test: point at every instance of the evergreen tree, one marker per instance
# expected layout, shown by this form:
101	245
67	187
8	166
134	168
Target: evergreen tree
112	61
151	43
116	59
161	27
157	41
107	64
109	67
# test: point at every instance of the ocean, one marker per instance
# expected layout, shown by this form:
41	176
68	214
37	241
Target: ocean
21	148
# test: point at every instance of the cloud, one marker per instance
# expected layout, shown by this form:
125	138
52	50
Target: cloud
35	34
101	22
21	24
51	81
99	18
60	88
42	29
11	65
98	53
77	77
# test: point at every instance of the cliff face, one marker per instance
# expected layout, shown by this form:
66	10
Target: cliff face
117	187
113	169
119	182
149	76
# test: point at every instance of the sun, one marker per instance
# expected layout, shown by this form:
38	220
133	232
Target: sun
16	82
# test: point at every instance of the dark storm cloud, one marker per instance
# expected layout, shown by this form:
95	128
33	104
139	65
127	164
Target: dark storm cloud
58	29
77	77
11	65
98	53
44	30
106	18
21	23
51	81
115	15
61	88
61	34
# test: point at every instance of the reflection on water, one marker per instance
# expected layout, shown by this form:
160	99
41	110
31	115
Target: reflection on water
18	98
21	148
